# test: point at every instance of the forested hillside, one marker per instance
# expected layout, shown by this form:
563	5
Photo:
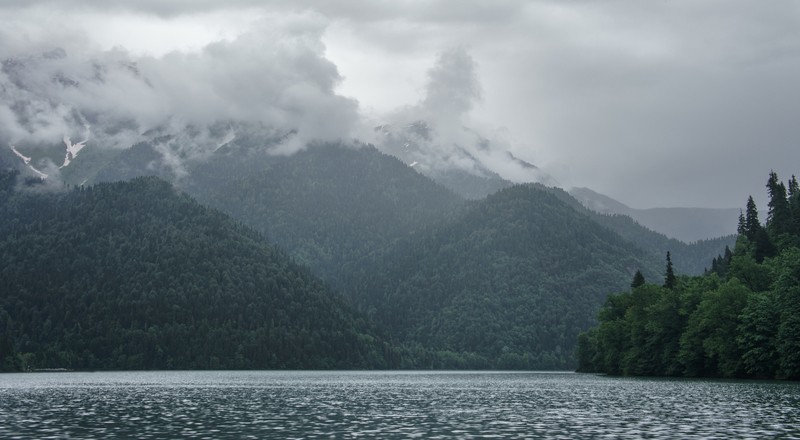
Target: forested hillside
387	237
330	206
508	284
686	224
689	259
137	276
741	319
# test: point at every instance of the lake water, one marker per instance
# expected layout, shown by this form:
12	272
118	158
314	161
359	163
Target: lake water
258	404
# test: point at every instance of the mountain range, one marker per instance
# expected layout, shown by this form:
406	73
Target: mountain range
135	275
207	246
506	281
685	224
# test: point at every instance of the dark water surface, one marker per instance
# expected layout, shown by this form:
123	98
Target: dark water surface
258	404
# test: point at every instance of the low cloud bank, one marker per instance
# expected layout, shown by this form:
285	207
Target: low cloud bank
274	76
437	136
275	79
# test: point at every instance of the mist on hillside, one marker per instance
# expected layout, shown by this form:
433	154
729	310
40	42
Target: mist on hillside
271	83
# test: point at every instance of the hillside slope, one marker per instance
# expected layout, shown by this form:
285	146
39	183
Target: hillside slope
136	276
509	284
418	258
688	258
685	224
329	206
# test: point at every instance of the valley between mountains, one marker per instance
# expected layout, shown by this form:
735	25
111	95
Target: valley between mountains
338	256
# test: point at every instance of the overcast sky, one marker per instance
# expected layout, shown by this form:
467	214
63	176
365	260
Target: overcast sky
654	103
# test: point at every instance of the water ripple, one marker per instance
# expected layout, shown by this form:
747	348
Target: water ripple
354	405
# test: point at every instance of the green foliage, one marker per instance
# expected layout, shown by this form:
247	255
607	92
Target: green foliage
136	276
690	259
612	340
669	274
707	348
721	263
757	336
740	319
513	279
751	223
786	288
779	220
149	279
638	279
333	208
505	282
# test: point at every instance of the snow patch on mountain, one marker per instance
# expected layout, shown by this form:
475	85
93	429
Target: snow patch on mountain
27	161
433	152
229	137
73	149
24	158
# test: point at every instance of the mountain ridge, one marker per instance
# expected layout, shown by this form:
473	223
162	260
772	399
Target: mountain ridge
364	220
682	223
134	275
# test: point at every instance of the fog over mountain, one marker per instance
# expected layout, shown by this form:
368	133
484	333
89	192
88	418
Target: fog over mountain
409	155
668	104
437	137
274	81
277	78
685	224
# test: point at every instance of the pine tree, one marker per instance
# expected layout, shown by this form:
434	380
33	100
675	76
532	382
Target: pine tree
794	189
751	223
778	217
638	279
669	278
740	228
728	256
794	205
714	267
721	263
763	246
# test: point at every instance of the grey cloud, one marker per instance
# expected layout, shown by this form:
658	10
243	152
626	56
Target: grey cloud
275	75
460	11
436	135
658	103
161	8
453	85
698	118
676	103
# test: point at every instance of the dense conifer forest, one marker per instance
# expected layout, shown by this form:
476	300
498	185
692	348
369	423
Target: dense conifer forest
418	276
137	276
508	285
740	319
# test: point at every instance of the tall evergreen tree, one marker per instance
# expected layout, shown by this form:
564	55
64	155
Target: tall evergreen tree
746	324
669	278
793	187
778	217
740	227
763	246
794	205
721	263
714	267
751	223
638	279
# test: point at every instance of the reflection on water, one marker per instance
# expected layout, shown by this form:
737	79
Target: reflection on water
288	405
